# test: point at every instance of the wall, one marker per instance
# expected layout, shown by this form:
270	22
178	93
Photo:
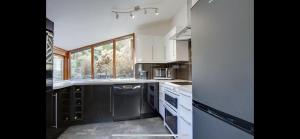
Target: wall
180	19
160	28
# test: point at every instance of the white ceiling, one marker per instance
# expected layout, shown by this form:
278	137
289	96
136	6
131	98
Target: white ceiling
82	22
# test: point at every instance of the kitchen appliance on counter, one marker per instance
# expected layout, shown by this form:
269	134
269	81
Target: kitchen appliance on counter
163	73
126	101
223	69
143	74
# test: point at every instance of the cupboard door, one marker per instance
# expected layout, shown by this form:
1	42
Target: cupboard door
182	51
161	108
97	104
184	128
158	49
144	49
169	49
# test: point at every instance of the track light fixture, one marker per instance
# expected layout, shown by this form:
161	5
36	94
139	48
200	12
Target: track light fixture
136	9
156	12
117	15
131	15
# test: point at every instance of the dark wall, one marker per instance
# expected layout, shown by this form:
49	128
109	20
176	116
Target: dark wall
147	67
183	70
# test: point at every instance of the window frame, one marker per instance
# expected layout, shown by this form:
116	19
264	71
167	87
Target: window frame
92	47
70	65
62	66
65	54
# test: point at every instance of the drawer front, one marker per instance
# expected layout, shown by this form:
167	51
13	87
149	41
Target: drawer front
185	129
185	107
185	112
185	99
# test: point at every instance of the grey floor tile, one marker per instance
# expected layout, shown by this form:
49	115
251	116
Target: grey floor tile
105	130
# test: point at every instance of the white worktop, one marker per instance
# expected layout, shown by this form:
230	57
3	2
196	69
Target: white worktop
67	83
185	88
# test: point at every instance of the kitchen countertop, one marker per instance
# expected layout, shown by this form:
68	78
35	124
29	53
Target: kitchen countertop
67	83
185	88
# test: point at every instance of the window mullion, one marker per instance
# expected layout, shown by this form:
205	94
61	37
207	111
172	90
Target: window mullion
92	62
114	58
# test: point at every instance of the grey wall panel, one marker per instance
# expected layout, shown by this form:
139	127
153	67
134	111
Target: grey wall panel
209	127
223	55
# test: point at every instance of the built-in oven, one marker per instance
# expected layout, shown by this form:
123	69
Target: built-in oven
170	118
171	97
171	103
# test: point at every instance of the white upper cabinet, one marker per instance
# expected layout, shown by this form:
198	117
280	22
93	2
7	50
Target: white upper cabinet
175	50
158	49
149	49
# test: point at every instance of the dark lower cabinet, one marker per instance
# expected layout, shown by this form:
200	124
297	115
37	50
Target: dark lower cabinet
149	100
60	113
90	104
97	103
64	112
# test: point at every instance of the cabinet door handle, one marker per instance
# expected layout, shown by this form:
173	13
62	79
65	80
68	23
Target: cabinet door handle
185	95
185	107
185	120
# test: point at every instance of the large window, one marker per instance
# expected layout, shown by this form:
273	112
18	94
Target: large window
81	64
58	67
124	58
105	60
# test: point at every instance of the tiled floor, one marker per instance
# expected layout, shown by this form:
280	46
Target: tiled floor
105	130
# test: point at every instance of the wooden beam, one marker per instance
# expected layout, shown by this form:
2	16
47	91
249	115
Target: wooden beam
66	66
92	62
59	51
114	58
133	53
99	43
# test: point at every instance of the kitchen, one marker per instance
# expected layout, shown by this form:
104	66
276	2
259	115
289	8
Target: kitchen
143	69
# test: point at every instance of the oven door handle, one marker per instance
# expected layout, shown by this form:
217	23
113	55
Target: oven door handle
173	112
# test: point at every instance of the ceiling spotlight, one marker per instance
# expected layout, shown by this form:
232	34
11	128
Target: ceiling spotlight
131	15
145	12
117	15
156	12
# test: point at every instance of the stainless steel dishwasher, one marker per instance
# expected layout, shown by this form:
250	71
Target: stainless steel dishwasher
126	101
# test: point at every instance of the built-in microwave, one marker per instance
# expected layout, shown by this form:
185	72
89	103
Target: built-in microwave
160	72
